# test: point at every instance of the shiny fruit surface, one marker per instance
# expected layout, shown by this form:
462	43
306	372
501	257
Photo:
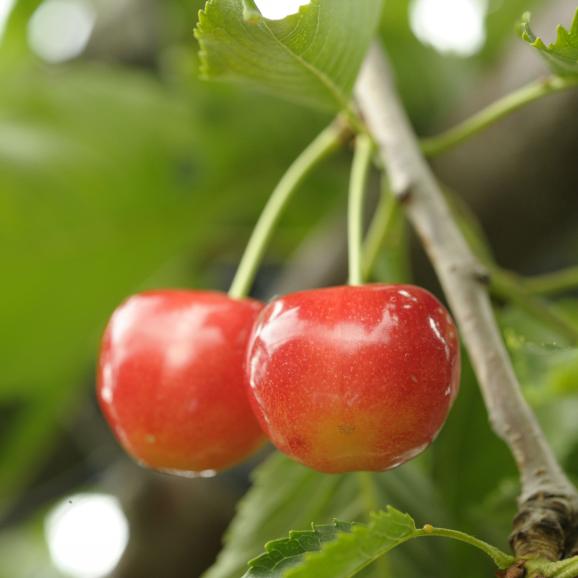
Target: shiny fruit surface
171	380
354	378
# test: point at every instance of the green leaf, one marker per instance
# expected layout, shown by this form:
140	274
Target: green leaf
548	371
312	57
343	549
561	55
112	182
350	552
547	367
286	495
285	553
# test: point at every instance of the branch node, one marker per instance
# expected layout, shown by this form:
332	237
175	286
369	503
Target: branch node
405	195
541	526
482	276
572	542
346	133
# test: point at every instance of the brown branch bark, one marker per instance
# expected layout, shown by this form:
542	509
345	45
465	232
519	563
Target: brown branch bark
549	502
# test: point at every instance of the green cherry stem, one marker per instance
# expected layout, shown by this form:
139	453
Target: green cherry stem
384	219
494	112
357	190
327	142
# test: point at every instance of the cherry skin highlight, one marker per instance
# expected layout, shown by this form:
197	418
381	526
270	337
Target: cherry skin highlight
171	380
354	378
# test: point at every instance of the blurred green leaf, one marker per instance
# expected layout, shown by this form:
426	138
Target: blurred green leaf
108	180
562	54
547	368
82	204
548	371
311	57
30	434
94	197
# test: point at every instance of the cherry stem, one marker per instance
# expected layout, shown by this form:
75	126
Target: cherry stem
384	219
357	194
326	143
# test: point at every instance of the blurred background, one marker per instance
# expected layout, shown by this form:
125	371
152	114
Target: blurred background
121	171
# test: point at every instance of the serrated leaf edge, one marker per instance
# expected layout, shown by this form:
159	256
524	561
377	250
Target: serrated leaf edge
317	535
526	33
205	73
340	532
375	517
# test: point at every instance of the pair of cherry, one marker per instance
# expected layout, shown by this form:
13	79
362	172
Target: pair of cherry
340	379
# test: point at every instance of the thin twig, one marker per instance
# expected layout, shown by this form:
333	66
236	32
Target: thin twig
465	283
494	112
562	281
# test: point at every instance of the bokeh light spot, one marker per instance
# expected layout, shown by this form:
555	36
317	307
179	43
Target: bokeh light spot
455	26
87	535
279	9
59	30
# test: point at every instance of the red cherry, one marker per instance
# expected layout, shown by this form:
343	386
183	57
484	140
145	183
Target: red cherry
171	380
354	378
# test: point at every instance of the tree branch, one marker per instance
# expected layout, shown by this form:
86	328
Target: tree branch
549	502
